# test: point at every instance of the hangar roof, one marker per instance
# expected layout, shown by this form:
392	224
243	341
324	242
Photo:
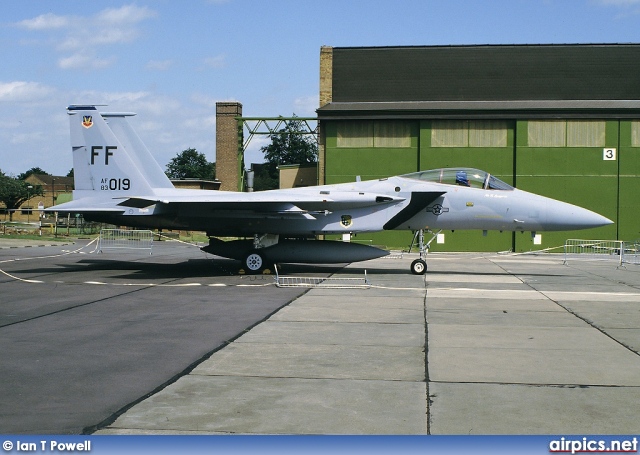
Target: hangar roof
583	80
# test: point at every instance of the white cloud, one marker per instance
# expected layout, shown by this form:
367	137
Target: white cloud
35	131
206	123
154	105
82	37
207	101
306	106
627	9
115	100
619	2
20	91
27	138
159	65
219	61
84	62
125	14
45	22
253	154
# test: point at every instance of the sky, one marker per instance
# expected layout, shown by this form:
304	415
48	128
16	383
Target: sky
170	61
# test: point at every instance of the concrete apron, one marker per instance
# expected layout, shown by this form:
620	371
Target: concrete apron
508	351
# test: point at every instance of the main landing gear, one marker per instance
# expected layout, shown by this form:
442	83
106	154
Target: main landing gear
254	262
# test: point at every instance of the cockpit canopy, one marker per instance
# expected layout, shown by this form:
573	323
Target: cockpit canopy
473	178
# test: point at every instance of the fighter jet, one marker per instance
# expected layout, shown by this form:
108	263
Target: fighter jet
118	181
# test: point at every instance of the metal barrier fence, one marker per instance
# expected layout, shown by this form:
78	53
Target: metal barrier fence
608	250
322	282
631	253
125	239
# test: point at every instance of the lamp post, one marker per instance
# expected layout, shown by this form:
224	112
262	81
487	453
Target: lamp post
29	188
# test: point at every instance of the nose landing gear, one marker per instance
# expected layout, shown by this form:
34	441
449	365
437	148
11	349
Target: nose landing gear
419	266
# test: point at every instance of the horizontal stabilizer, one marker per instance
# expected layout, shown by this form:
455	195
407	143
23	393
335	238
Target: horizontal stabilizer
82	208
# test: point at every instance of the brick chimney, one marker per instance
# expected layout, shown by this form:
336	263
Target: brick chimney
227	159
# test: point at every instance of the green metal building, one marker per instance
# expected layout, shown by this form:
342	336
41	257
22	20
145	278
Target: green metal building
558	120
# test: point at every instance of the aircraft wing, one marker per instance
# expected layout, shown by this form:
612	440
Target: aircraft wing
280	202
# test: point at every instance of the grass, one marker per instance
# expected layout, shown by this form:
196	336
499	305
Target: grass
33	237
185	236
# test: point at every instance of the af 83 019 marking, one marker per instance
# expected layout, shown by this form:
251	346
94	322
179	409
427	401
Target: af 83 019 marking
107	184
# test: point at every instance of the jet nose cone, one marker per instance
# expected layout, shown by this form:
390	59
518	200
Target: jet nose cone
604	221
588	219
555	215
574	217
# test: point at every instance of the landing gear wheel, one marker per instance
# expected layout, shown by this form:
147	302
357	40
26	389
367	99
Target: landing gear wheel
254	263
419	267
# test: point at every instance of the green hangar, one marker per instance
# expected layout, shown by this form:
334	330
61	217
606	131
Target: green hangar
559	120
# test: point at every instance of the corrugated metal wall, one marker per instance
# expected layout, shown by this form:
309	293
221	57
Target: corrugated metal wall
580	175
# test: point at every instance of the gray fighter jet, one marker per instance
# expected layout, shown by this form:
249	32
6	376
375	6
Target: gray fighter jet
118	181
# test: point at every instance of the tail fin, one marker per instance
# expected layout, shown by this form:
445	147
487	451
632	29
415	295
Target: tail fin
138	152
109	157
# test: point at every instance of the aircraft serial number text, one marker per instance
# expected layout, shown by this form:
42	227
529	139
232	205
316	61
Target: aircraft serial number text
115	184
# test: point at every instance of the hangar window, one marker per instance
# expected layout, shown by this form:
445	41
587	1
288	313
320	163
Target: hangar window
374	134
585	133
635	133
468	133
487	133
355	134
566	133
450	133
547	133
391	134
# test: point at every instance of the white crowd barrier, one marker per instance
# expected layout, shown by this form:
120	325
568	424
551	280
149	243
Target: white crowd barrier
125	239
596	250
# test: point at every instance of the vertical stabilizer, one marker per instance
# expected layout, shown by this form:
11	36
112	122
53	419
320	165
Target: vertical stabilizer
101	162
138	152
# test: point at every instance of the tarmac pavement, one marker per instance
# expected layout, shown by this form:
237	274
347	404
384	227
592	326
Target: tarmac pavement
83	334
483	344
171	343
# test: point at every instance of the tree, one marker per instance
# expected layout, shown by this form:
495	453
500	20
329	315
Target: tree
291	146
288	146
189	164
14	192
265	177
33	170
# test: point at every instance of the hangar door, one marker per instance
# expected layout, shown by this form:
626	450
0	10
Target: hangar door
565	159
481	144
372	149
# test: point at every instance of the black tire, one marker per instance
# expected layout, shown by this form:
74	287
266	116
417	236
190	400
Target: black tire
254	262
419	267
